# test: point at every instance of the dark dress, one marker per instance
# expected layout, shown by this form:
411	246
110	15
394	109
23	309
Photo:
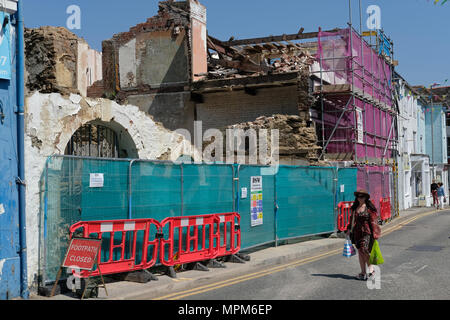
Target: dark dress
366	230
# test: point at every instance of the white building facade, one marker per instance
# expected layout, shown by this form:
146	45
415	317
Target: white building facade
413	163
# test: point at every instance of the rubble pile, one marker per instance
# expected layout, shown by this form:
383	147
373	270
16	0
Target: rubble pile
256	60
293	63
295	137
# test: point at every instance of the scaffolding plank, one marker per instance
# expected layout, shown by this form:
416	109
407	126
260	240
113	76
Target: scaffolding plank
334	88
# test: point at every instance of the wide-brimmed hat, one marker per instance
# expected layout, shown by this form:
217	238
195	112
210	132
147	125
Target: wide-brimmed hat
362	192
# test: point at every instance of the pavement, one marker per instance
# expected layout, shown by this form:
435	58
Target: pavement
304	249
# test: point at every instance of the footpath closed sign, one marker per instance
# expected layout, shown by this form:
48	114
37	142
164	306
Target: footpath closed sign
82	253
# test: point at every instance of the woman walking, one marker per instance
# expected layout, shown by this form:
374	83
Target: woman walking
363	230
441	195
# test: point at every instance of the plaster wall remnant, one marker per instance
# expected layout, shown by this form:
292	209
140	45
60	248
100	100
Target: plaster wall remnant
89	68
52	119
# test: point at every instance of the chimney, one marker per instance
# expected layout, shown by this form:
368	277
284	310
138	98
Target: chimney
199	45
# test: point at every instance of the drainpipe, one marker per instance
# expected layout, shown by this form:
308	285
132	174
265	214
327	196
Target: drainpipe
20	145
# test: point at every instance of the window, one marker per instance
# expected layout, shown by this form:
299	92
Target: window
414	142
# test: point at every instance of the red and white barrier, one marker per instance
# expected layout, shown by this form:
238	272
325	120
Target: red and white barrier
182	246
121	226
344	215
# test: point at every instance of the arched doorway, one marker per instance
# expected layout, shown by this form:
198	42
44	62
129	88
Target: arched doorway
98	139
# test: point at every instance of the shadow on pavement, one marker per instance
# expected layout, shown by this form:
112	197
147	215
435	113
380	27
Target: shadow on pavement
335	276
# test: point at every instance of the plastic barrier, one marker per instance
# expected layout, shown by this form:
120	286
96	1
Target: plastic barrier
230	229
111	228
344	215
184	247
385	208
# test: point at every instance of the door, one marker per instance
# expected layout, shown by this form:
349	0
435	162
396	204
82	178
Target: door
9	231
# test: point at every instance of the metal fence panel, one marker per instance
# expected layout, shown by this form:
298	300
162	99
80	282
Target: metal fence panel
347	178
264	233
378	181
207	189
155	190
110	201
305	197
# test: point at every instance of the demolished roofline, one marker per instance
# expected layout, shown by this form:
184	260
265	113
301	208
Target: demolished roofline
284	37
267	80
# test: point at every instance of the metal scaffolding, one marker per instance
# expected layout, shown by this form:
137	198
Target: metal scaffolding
357	110
357	105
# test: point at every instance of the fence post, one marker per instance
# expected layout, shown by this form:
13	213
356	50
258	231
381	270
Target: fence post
236	179
367	176
234	193
335	185
182	188
130	190
275	208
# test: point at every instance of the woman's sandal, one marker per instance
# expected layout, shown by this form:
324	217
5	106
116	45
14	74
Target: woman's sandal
362	276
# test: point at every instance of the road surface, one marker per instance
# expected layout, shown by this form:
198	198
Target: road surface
417	257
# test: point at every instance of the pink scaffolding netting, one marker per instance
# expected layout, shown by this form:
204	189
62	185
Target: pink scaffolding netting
335	51
370	73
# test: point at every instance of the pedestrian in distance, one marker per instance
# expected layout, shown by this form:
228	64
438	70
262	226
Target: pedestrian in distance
441	195
363	230
434	188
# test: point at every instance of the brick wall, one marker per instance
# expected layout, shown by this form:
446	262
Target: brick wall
227	108
150	54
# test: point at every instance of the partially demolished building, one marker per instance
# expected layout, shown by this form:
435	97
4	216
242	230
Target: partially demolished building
330	93
172	69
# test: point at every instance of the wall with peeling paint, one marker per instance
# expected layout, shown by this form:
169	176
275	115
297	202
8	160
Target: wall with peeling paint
89	67
50	122
9	215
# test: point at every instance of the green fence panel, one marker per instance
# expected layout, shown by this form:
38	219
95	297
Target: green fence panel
156	190
62	187
107	200
305	196
207	189
305	199
155	193
255	235
347	178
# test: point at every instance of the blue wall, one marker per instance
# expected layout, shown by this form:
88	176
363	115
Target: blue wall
9	221
438	153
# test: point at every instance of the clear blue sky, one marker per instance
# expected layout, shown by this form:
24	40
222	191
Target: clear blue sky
420	30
